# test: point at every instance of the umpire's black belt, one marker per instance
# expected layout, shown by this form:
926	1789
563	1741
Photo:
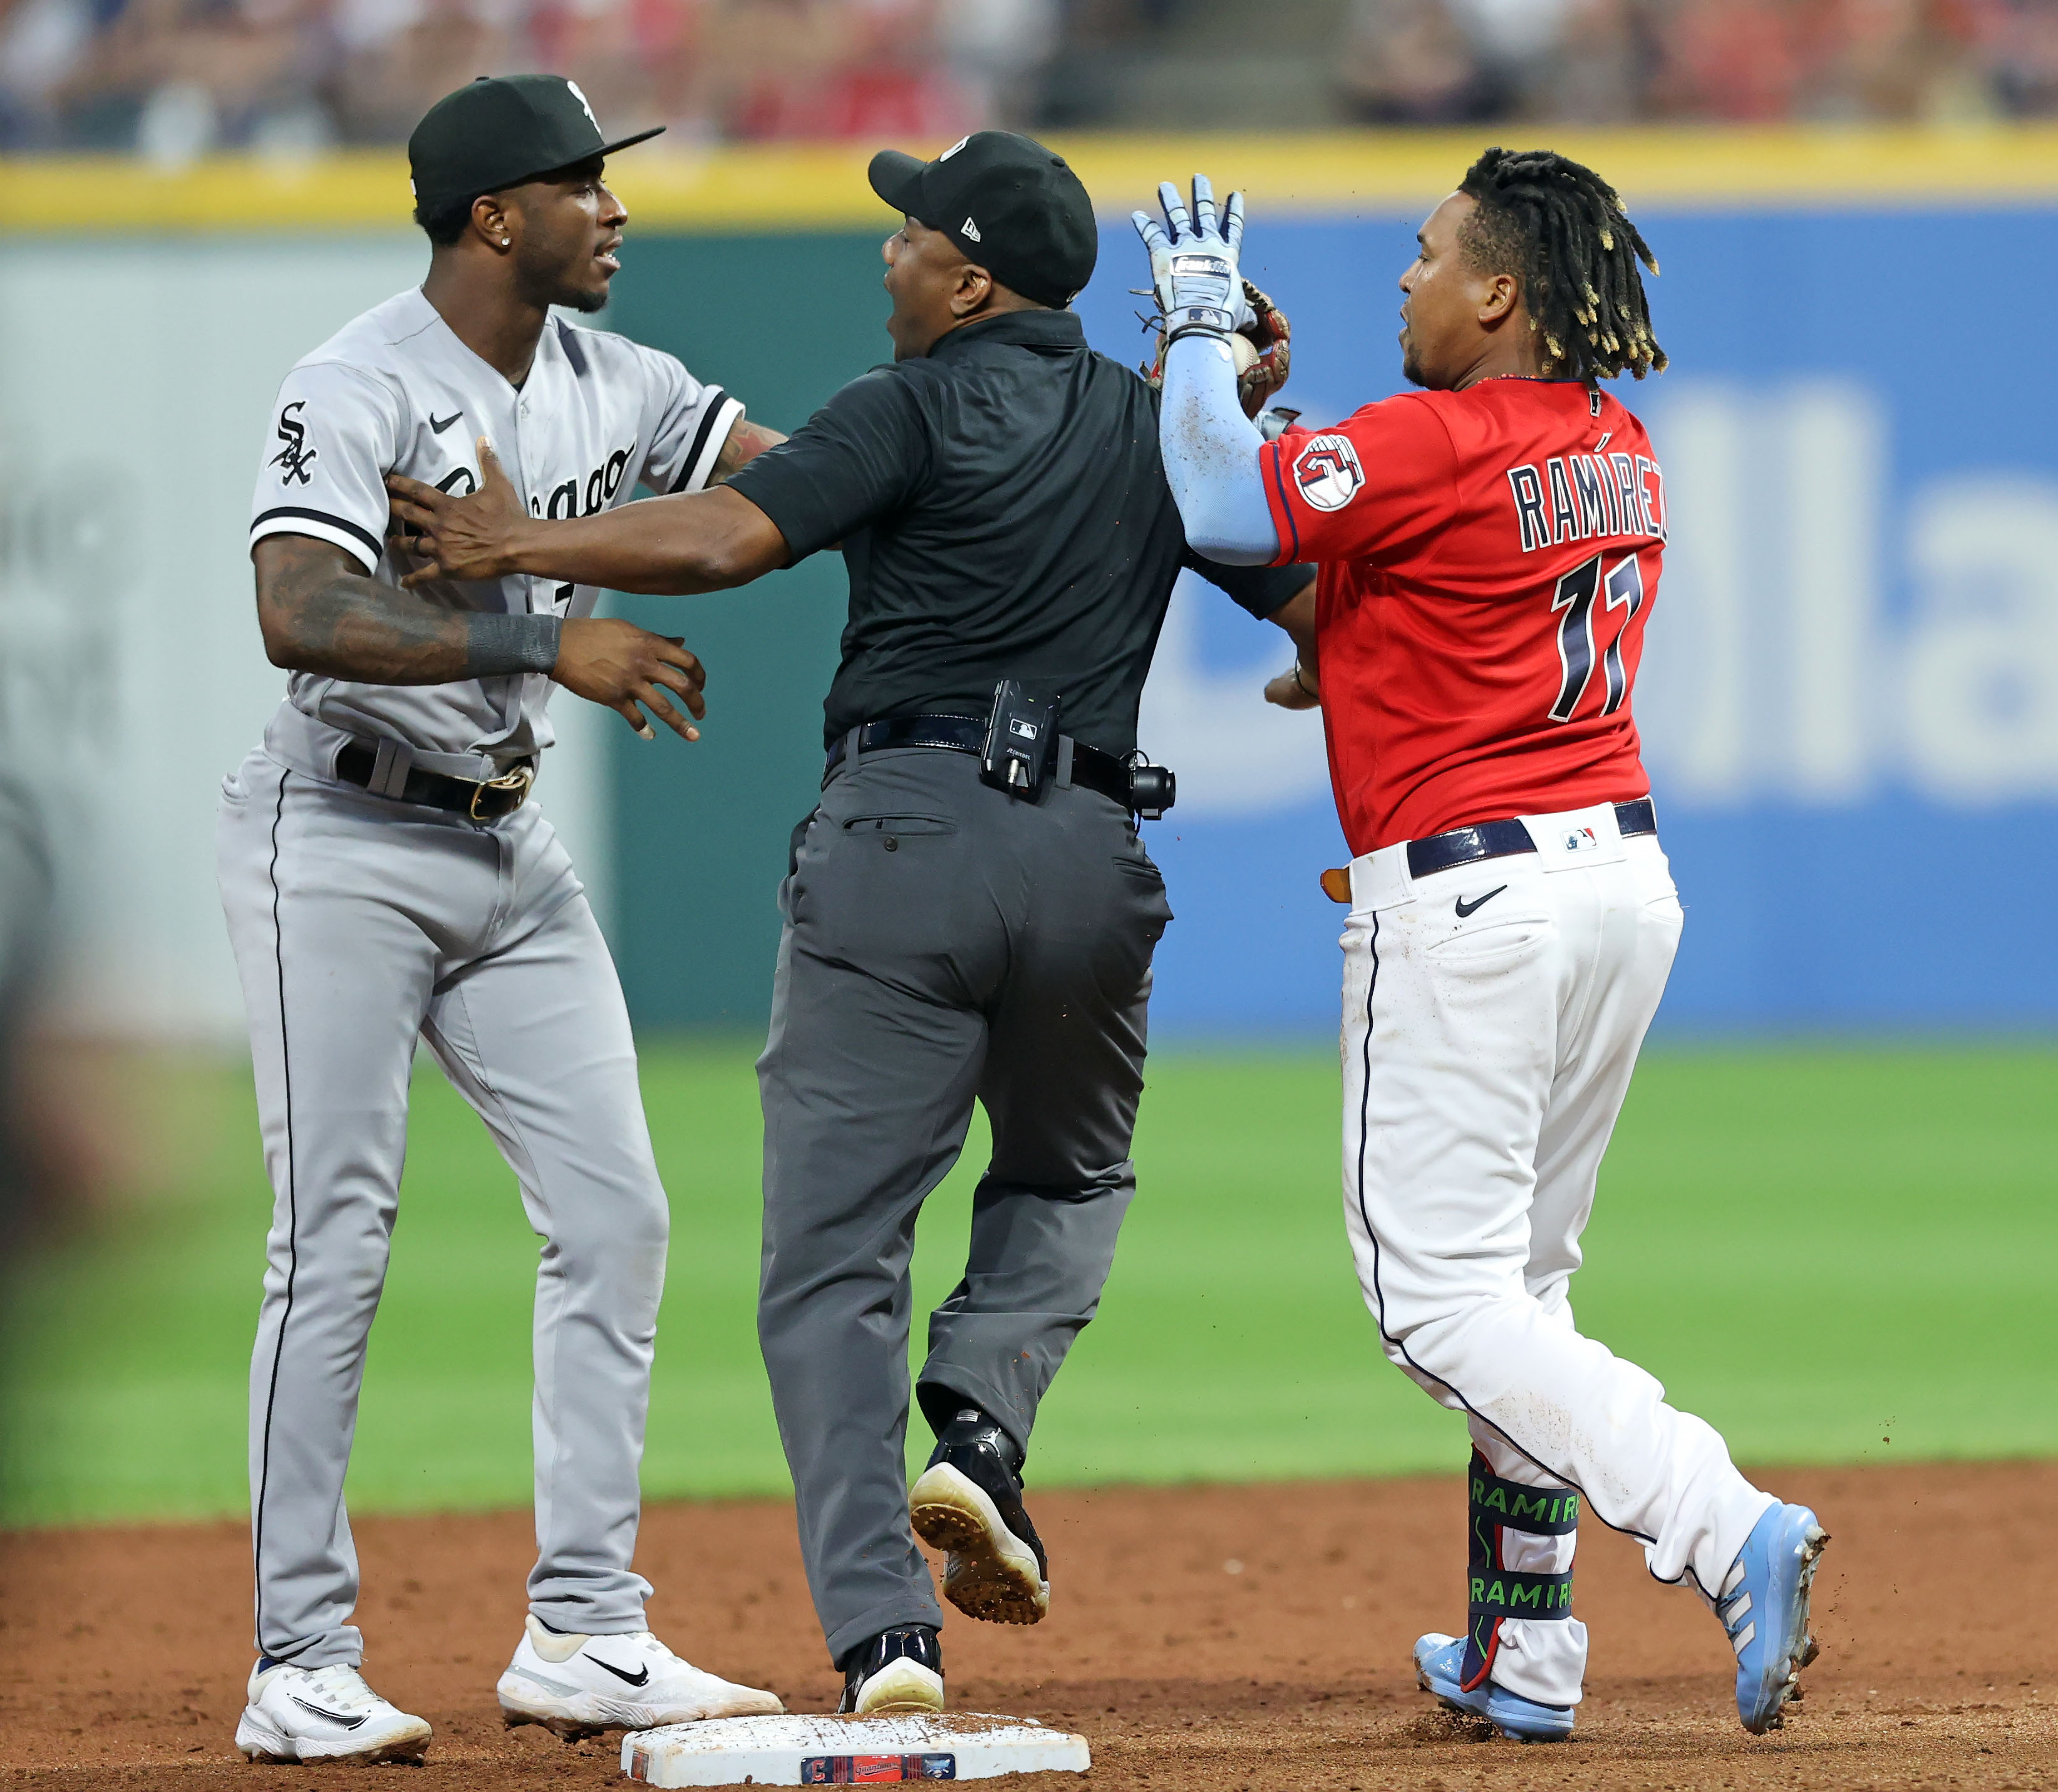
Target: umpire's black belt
1099	771
486	801
1500	840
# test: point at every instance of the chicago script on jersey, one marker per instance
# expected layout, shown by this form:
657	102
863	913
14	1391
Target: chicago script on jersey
599	486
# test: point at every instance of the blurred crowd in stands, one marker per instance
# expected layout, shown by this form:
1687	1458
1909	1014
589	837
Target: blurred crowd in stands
174	78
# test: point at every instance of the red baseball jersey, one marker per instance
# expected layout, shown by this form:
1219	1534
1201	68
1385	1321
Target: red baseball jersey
1488	559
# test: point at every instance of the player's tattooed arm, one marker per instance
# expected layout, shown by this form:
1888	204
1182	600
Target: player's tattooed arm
746	442
320	613
1301	688
702	541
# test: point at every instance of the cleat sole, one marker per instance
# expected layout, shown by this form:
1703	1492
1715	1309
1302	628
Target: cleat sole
991	1574
899	1688
1806	1649
259	1743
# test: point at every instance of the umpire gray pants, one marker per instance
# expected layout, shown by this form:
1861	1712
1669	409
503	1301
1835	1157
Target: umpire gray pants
360	924
943	942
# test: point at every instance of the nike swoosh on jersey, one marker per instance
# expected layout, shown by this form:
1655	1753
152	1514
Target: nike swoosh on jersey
436	428
1467	910
639	1680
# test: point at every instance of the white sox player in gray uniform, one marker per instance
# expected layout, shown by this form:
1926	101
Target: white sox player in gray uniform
385	877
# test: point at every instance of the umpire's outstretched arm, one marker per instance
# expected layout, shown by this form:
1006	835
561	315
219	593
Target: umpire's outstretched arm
705	541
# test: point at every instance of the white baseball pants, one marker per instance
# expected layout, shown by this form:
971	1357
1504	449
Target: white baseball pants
360	924
1486	1053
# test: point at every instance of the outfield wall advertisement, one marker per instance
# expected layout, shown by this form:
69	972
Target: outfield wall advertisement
1851	699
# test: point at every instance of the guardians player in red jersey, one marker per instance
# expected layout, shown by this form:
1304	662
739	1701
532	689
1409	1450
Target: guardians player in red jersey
1490	549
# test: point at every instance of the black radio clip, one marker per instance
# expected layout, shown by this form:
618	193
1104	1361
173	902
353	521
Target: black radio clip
1021	740
1021	751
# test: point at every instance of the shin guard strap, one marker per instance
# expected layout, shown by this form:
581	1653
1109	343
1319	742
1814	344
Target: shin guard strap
1542	1511
1503	1593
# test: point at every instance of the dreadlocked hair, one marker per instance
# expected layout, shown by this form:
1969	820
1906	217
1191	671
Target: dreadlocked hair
1562	229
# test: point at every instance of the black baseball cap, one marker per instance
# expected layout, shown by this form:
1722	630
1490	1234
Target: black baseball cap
1009	205
502	130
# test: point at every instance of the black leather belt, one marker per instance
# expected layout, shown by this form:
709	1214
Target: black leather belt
1500	840
486	801
1101	772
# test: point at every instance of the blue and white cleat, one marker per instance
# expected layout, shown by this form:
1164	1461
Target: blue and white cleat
1438	1662
1763	1605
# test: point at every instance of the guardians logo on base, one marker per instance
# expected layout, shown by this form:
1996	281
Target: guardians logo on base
875	1769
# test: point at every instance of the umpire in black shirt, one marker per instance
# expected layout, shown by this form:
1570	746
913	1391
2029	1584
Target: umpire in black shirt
962	922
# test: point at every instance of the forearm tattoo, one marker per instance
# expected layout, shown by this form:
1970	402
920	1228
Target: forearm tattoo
320	614
746	442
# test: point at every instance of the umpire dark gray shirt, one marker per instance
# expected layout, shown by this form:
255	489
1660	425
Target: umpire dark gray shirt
1004	514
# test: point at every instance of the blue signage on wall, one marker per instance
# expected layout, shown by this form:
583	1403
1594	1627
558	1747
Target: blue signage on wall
1850	700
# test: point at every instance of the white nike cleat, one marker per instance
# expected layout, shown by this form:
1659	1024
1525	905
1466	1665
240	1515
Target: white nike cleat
323	1714
579	1686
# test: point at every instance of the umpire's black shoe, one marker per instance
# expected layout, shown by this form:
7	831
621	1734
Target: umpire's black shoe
899	1669
968	1501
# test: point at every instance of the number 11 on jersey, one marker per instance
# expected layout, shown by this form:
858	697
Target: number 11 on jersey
1576	591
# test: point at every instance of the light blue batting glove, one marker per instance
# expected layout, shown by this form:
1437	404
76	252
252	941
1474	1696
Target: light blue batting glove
1193	262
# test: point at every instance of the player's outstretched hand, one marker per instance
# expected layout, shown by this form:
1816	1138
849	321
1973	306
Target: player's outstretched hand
471	537
608	660
1194	261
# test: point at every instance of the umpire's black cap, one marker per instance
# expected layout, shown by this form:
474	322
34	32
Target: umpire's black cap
1009	205
502	130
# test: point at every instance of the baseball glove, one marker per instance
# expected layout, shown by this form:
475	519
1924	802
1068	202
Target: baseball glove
1263	370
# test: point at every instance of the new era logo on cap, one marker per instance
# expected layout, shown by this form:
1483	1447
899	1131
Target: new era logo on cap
1027	219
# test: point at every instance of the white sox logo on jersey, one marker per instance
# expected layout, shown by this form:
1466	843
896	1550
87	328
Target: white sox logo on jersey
296	457
1328	473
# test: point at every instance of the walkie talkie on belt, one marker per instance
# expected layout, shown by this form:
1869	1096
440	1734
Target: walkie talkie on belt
1021	740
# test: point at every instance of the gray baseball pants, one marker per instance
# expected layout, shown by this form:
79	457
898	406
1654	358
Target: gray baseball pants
360	924
943	942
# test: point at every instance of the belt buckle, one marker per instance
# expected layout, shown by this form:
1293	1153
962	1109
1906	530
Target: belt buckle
517	781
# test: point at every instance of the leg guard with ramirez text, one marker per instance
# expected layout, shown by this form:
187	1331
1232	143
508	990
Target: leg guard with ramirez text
1519	1541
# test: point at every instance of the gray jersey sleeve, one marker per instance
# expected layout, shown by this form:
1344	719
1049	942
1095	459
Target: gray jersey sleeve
690	424
334	433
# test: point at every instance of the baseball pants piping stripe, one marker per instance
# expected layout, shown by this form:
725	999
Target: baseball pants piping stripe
407	926
292	1201
1379	1294
1492	1051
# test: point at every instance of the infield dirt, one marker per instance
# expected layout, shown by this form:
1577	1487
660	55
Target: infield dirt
1253	1637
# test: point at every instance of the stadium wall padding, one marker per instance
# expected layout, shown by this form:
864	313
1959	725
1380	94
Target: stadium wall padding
1850	701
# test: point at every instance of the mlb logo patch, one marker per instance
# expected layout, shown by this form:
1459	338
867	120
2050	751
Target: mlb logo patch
1580	840
1328	473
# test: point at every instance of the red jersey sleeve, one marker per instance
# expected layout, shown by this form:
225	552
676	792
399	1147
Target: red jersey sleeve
1375	483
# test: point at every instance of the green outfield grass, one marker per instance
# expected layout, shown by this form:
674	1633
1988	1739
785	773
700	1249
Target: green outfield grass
1820	1249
